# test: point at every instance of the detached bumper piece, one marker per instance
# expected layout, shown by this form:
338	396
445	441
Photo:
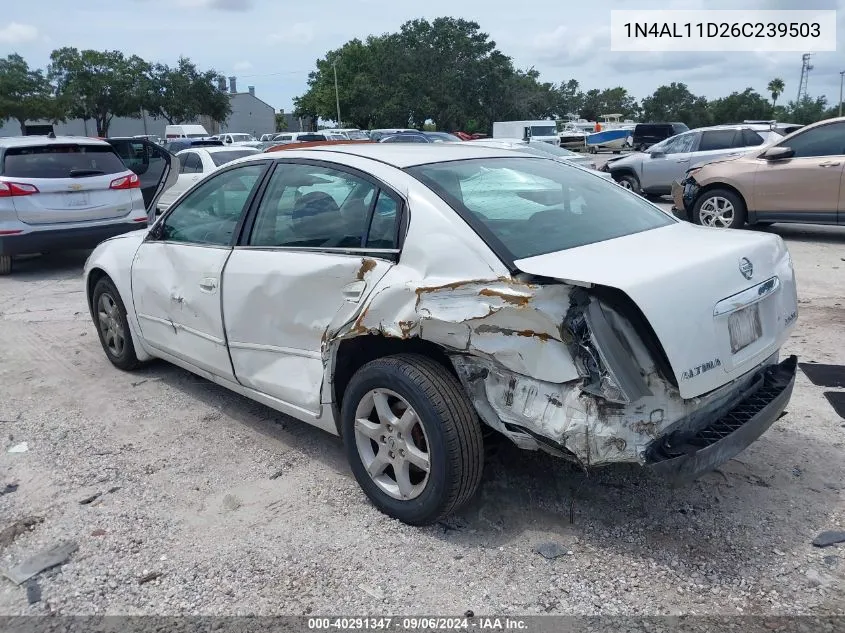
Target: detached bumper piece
684	458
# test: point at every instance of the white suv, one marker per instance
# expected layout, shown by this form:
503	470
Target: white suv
64	193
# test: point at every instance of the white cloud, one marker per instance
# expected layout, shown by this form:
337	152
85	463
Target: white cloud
242	66
298	33
568	46
16	33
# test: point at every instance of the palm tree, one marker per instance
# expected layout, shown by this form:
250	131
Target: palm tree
776	87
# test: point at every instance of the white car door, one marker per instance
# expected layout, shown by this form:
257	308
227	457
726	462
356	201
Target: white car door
177	270
664	161
319	241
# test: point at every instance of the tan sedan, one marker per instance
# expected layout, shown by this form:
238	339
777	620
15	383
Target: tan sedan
798	179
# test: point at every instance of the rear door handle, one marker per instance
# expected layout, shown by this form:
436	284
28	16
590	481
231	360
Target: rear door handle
209	284
829	164
354	290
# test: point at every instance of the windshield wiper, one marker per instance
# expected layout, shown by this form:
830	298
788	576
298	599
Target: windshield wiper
77	173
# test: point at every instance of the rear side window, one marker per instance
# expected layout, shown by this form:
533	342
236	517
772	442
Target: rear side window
717	139
750	138
61	161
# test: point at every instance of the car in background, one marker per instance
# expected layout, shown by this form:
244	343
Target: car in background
347	133
421	137
797	179
414	300
237	139
652	172
178	145
377	135
267	137
64	193
307	144
539	148
647	134
172	132
195	164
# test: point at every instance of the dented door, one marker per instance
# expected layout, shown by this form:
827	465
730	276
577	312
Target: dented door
277	306
176	288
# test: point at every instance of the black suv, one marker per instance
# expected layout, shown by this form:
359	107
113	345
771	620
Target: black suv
647	134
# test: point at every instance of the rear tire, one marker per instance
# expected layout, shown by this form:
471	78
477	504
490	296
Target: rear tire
629	182
5	264
719	208
404	413
109	316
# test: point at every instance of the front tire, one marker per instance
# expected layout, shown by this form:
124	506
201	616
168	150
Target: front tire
412	438
109	315
5	264
629	182
719	208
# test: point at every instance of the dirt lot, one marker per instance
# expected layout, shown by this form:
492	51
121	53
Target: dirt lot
241	510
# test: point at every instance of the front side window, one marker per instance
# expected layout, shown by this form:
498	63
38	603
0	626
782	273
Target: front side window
718	139
318	207
826	140
209	214
533	206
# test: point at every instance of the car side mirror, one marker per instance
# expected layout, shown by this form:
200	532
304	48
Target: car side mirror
778	153
657	154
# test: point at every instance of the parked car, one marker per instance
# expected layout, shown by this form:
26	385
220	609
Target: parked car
305	144
347	133
178	145
377	135
149	161
172	132
647	134
267	137
434	292
421	137
798	179
195	164
237	139
63	193
538	148
653	171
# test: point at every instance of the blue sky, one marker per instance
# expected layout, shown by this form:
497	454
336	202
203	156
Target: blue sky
273	44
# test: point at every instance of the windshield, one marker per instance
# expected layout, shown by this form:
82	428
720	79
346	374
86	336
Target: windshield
532	207
443	137
543	130
221	158
356	135
553	150
239	138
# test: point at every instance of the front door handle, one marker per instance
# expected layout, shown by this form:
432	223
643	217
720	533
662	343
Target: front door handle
209	284
829	164
354	290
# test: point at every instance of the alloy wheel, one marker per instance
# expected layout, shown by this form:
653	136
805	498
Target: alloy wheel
108	316
717	212
392	444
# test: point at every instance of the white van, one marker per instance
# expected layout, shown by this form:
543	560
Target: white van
184	131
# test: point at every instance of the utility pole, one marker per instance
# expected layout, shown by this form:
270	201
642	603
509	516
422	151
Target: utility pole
806	67
841	78
336	93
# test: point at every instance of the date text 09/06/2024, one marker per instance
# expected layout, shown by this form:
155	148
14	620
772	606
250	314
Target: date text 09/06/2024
722	29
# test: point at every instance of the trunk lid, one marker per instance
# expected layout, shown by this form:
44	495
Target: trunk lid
73	200
708	294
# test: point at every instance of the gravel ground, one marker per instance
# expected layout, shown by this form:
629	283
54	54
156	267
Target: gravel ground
240	510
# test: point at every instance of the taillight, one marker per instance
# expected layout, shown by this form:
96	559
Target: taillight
126	182
15	189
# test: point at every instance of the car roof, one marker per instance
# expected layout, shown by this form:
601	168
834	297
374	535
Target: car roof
34	141
400	155
757	127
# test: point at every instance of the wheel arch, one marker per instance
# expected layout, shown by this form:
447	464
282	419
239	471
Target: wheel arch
353	353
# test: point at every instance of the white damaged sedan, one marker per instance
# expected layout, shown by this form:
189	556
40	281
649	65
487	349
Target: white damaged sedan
406	297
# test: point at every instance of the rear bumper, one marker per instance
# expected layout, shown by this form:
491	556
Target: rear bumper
683	458
63	239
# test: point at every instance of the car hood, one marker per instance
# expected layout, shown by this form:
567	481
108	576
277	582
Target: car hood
627	161
678	275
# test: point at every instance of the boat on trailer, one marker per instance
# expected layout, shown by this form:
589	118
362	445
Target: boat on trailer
615	134
573	135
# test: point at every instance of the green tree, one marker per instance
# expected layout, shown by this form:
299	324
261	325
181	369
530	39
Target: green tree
675	102
99	85
25	93
740	106
281	121
807	111
568	98
183	93
776	88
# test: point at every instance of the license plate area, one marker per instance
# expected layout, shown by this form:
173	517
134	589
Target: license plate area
77	199
745	327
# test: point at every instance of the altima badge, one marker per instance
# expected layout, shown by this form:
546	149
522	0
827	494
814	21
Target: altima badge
746	268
